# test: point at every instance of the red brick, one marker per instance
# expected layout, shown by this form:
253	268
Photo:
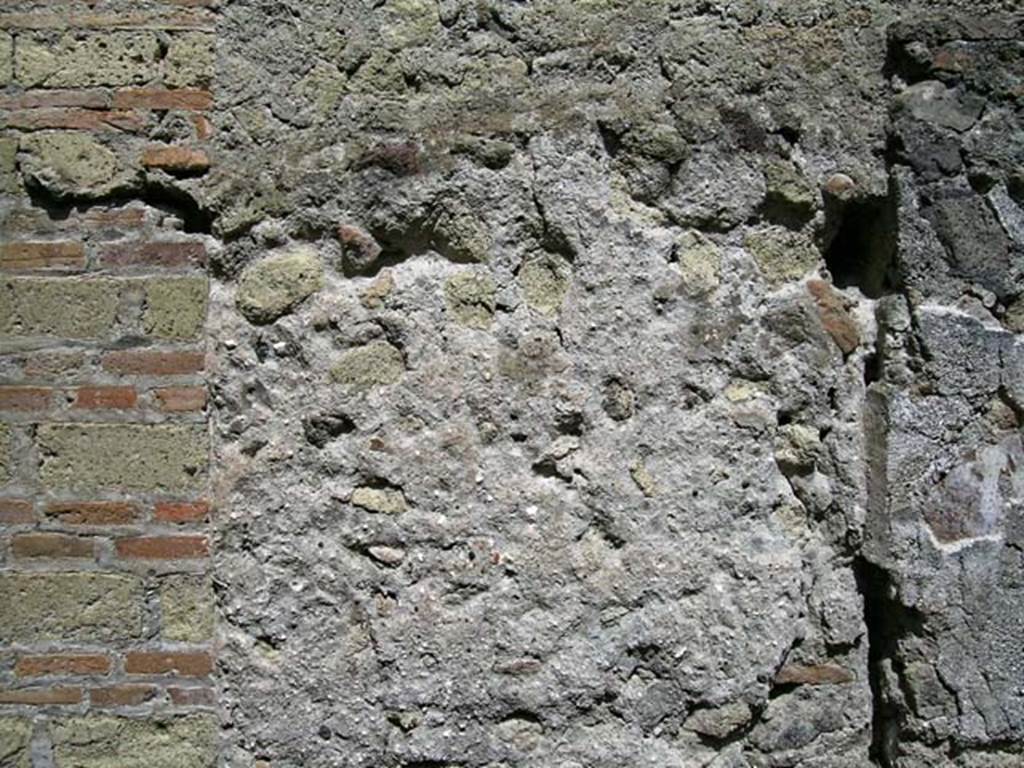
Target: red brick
813	674
62	664
51	545
192	697
42	255
107	398
86	99
93	512
162	547
160	663
181	511
153	254
176	159
204	128
25	398
161	98
118	218
177	399
122	695
14	511
41	696
153	363
73	119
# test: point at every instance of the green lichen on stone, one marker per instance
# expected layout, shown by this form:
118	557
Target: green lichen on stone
373	365
272	287
175	307
119	742
70	163
190	60
470	297
544	281
781	254
186	608
75	61
383	500
67	308
6	58
128	457
700	262
70	607
15	738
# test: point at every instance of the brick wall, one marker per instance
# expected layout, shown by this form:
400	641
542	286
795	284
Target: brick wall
106	602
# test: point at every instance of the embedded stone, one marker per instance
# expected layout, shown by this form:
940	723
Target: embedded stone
72	164
781	254
700	262
383	500
274	286
470	297
544	281
373	365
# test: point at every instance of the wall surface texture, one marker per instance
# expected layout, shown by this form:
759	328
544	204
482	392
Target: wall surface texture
495	383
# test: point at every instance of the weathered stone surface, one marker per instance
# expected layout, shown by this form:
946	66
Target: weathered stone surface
782	255
15	738
470	298
70	607
106	742
379	500
186	608
62	308
5	452
123	456
544	281
725	471
272	287
175	307
107	58
190	60
373	365
72	164
6	58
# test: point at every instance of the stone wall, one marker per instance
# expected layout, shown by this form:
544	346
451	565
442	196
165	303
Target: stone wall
106	600
577	383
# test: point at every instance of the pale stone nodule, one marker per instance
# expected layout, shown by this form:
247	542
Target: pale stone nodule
273	286
375	364
544	281
700	263
470	298
384	500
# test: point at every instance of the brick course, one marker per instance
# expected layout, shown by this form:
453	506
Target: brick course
103	453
